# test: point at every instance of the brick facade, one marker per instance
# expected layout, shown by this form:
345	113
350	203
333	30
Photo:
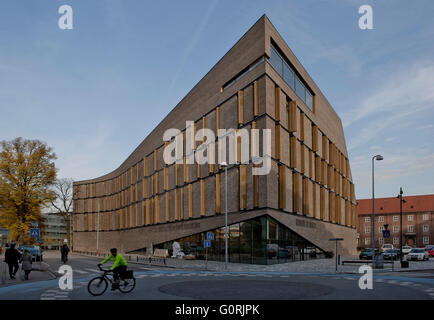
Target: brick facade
310	178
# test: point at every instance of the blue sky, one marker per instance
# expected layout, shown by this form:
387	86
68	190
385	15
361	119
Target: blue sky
95	92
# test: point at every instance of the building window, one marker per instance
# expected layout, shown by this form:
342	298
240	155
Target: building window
381	218
367	219
425	228
395	240
380	240
425	216
243	73
367	240
410	217
425	240
259	241
410	228
380	229
395	218
395	229
367	229
290	76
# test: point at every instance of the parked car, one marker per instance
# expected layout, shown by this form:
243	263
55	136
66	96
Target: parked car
431	253
35	251
429	247
418	254
386	246
391	254
406	249
367	254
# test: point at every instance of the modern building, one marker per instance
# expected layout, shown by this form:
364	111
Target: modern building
417	221
306	198
53	231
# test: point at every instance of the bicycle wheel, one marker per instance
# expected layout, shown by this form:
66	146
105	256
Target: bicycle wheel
127	285
97	286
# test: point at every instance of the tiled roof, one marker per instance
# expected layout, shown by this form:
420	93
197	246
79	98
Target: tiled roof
391	205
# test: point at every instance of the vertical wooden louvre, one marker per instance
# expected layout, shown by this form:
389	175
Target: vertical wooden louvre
255	99
218	208
277	103
176	207
243	187
293	152
202	197
282	187
240	107
296	192
167	199
292	116
190	201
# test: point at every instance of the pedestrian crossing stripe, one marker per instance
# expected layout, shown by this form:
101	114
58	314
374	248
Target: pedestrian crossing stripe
81	271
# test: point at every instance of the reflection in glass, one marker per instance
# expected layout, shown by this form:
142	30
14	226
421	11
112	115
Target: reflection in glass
309	100
261	240
276	61
290	77
300	89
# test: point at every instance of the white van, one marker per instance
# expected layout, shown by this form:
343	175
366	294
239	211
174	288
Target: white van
386	246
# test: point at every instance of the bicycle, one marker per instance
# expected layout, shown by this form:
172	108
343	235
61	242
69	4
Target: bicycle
98	285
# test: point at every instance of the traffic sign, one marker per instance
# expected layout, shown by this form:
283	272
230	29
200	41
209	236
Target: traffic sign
210	236
34	233
207	243
386	233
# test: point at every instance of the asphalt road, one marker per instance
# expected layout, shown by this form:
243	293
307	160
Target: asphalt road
172	284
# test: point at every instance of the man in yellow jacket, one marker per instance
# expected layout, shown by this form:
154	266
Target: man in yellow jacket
118	267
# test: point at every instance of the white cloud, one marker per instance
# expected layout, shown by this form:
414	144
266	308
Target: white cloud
404	94
376	148
428	126
407	166
409	89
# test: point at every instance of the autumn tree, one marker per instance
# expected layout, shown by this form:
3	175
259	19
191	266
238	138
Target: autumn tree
62	204
27	173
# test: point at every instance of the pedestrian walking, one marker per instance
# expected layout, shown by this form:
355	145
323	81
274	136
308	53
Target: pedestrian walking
12	256
64	250
26	263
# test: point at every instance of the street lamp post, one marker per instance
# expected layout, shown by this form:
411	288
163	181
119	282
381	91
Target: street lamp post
400	228
378	158
225	165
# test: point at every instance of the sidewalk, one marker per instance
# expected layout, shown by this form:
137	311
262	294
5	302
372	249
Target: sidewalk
40	272
307	266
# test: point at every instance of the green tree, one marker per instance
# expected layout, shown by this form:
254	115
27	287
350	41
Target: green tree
27	173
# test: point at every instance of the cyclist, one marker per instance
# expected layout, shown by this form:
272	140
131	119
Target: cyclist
118	267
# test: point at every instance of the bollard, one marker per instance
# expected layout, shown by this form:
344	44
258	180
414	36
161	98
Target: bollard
3	271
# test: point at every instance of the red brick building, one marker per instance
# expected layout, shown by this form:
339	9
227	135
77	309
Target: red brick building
417	223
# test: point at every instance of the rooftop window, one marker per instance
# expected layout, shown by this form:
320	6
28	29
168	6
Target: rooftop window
243	73
290	76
